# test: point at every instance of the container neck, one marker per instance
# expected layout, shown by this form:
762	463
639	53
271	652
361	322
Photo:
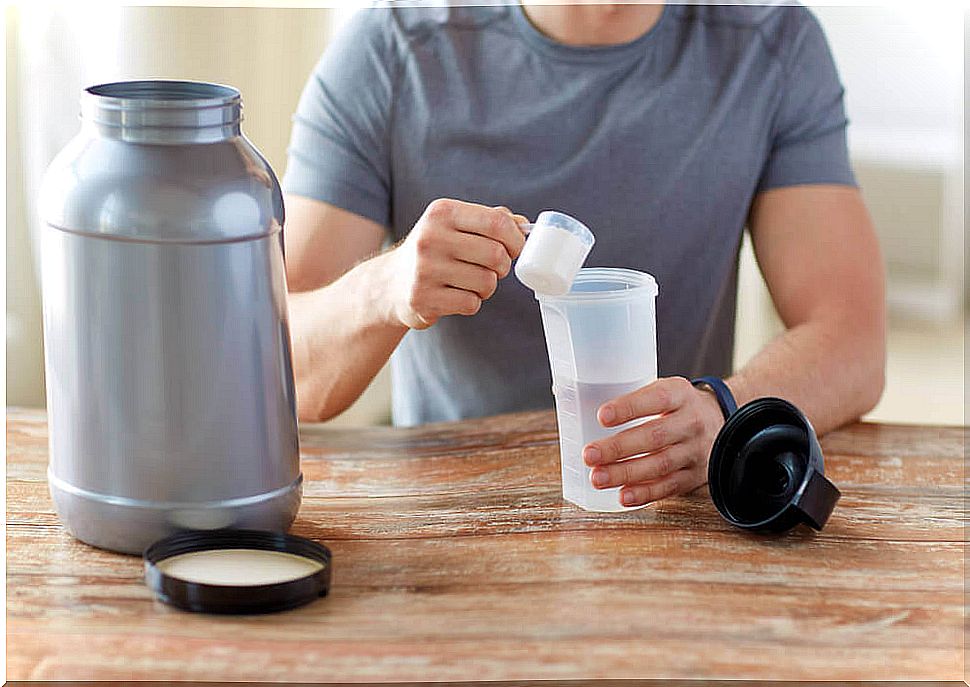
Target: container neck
162	112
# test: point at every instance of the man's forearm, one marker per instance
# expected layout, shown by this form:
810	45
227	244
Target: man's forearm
342	336
833	369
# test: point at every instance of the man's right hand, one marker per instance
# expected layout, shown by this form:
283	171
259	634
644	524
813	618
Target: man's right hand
451	261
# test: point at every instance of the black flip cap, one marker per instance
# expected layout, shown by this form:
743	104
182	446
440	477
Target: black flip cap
766	469
237	599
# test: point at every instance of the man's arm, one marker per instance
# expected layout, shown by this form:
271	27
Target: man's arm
820	258
350	305
334	305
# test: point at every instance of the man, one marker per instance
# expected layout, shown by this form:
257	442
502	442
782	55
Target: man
666	129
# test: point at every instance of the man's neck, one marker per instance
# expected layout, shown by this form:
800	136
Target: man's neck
593	24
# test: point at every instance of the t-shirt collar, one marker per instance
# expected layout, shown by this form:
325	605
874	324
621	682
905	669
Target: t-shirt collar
588	54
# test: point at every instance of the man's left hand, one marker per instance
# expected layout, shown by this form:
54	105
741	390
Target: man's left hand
671	448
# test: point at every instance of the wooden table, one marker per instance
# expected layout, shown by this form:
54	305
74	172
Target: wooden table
456	559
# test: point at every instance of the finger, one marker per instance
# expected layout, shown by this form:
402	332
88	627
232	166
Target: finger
484	221
478	280
452	301
661	396
648	437
678	482
519	219
643	469
481	251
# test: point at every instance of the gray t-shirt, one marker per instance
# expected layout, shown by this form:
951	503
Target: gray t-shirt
658	145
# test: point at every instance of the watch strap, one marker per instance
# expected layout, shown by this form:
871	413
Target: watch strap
725	399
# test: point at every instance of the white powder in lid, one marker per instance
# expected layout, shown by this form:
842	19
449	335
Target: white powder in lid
238	567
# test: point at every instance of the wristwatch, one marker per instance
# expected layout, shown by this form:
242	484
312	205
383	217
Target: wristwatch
725	399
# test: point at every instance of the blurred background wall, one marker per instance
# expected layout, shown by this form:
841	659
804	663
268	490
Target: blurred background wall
902	68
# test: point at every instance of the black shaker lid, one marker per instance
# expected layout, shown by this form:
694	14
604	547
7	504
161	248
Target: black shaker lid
237	571
766	469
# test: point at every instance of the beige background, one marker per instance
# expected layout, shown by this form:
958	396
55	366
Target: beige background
904	99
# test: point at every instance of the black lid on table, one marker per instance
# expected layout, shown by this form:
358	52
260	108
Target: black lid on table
766	469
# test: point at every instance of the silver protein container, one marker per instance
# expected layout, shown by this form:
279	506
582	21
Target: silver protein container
170	394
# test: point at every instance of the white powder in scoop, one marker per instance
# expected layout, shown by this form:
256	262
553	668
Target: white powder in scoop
238	567
550	260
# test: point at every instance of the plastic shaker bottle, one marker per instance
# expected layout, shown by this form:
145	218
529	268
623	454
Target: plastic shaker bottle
602	343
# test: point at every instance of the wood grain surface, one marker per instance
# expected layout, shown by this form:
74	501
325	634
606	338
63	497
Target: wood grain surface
456	559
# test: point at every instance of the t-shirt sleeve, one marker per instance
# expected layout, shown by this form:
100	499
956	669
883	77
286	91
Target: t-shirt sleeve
339	148
809	135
